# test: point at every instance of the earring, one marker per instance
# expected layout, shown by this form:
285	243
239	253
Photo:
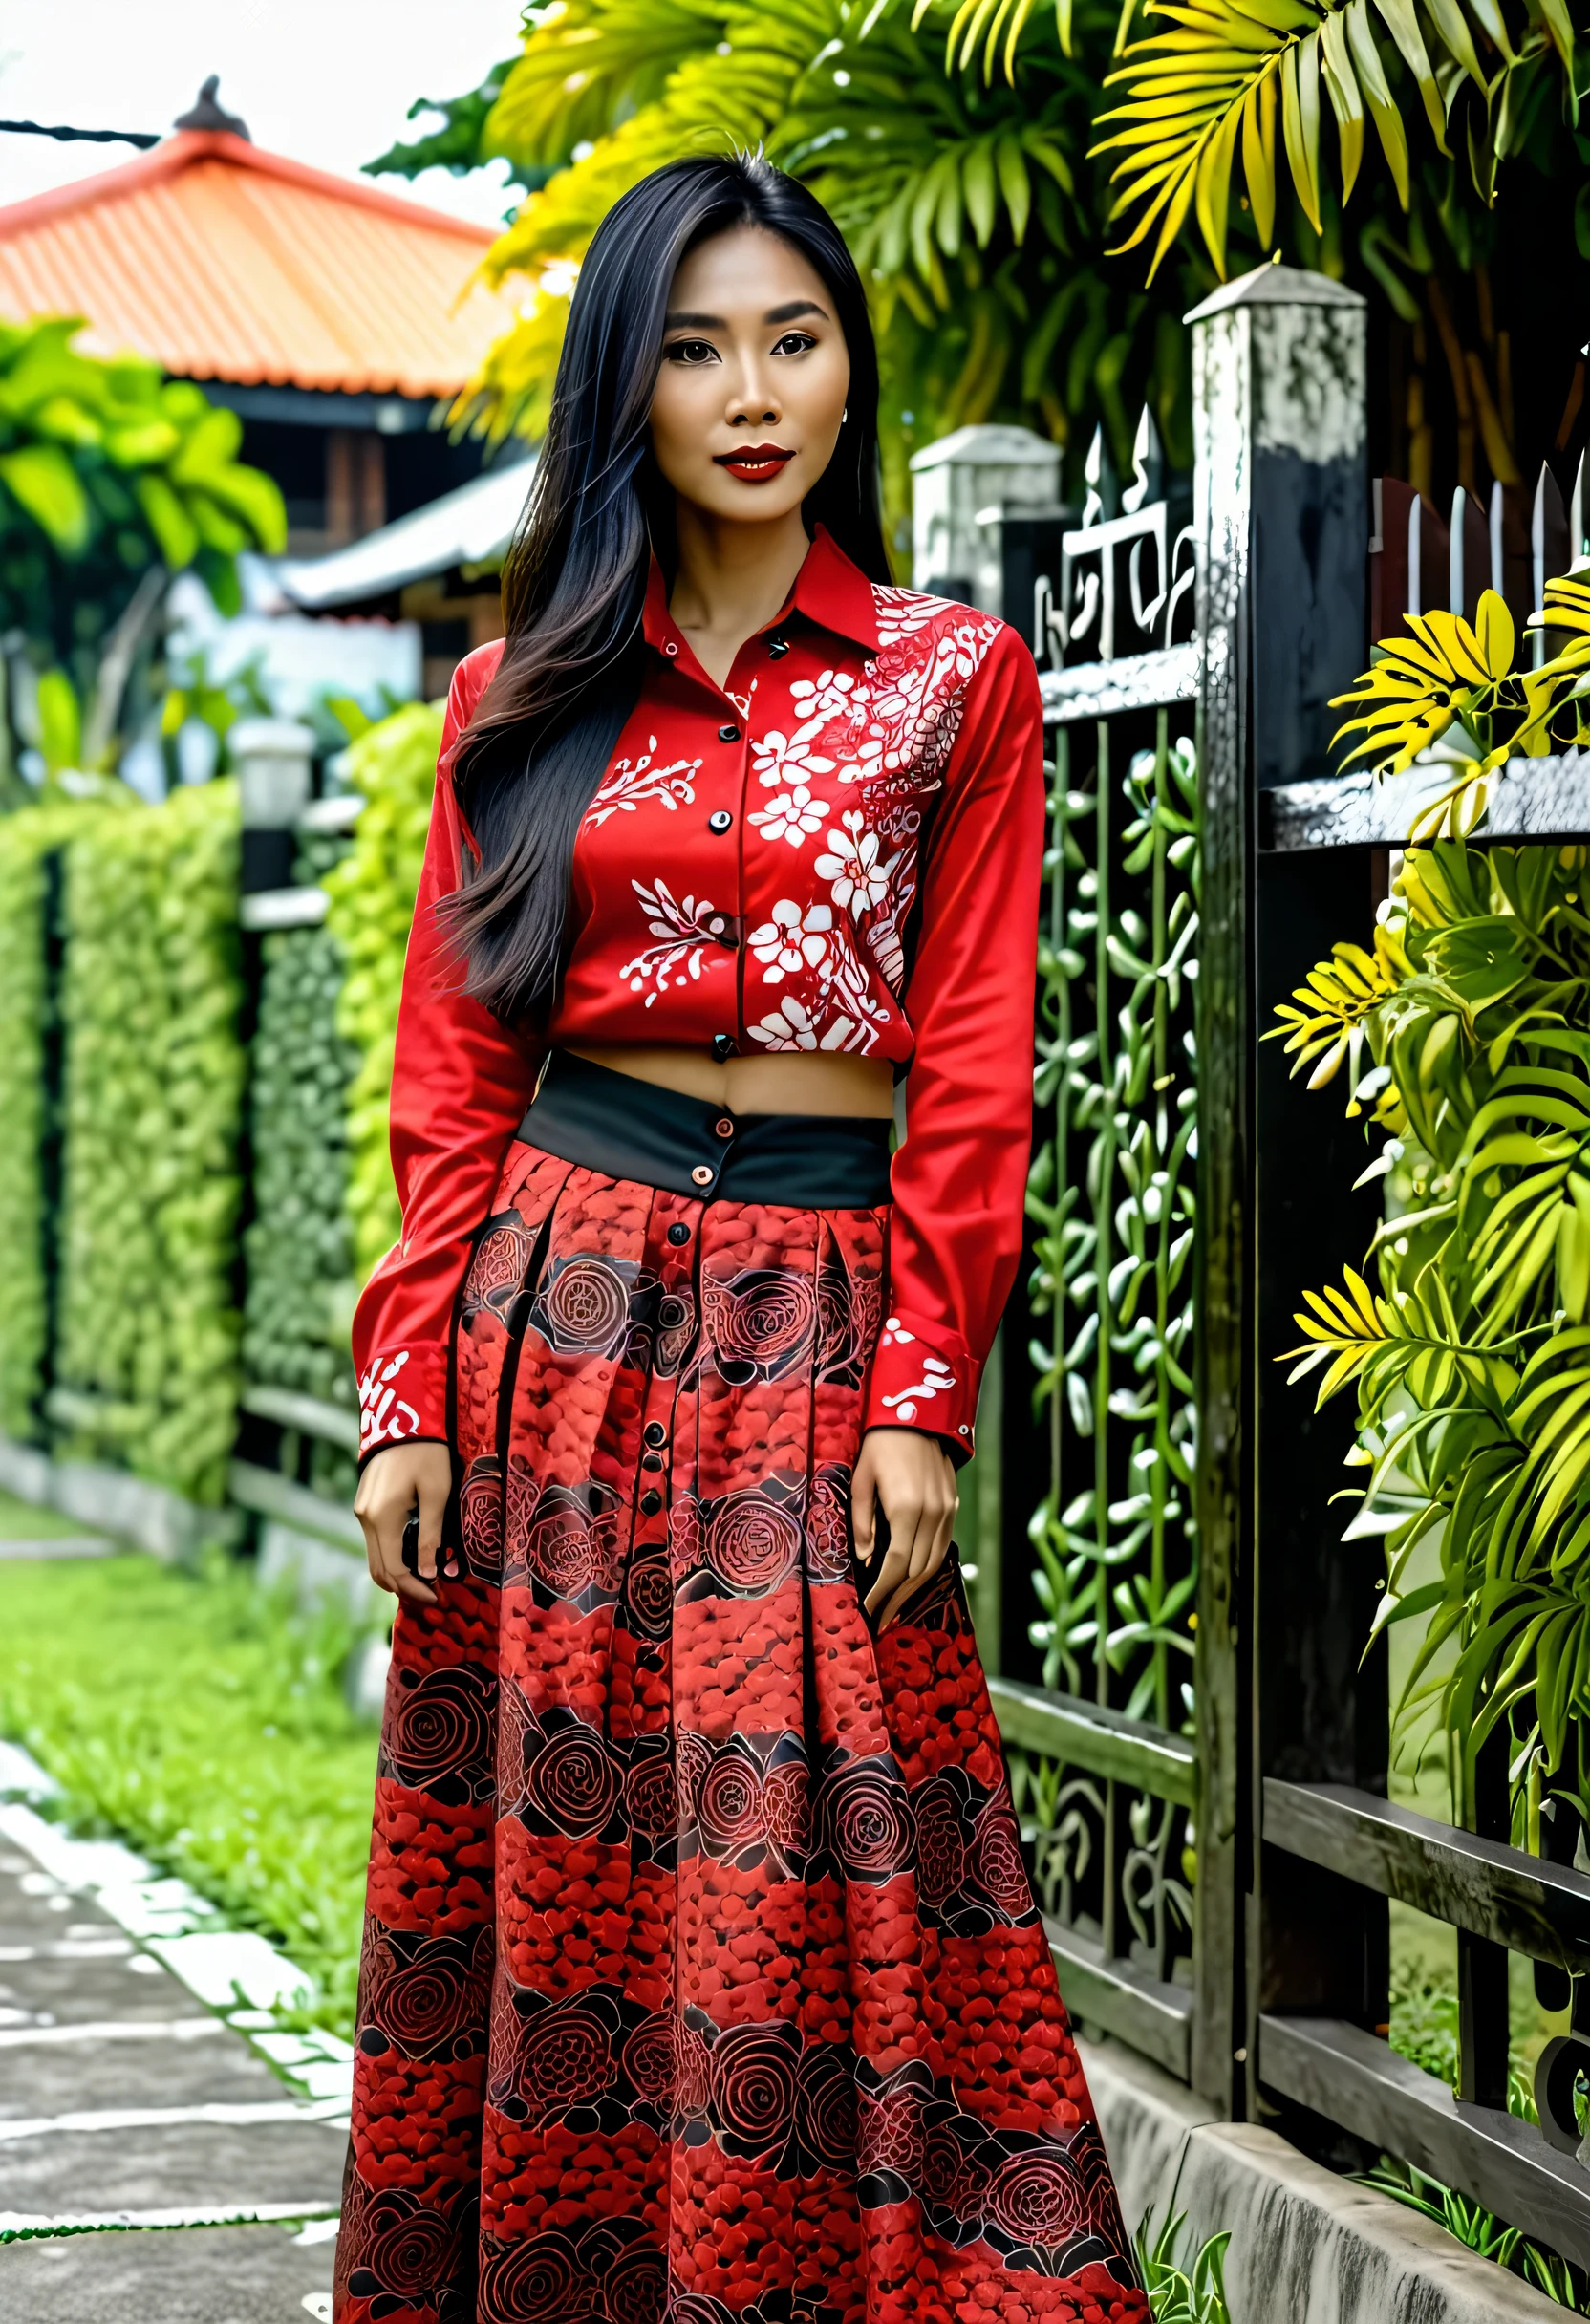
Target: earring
844	415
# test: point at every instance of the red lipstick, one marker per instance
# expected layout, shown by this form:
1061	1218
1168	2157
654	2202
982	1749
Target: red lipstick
754	463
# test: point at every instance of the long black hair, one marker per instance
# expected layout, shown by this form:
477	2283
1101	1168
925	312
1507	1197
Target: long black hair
575	580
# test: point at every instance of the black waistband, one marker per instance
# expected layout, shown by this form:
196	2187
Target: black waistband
628	1128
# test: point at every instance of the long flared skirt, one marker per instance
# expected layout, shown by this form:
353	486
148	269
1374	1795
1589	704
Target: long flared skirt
701	1977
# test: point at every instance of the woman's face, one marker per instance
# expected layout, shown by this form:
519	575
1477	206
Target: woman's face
751	388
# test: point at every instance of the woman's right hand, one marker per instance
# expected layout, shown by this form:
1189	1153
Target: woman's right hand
394	1481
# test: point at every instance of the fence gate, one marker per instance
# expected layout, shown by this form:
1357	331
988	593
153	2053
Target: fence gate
1174	1629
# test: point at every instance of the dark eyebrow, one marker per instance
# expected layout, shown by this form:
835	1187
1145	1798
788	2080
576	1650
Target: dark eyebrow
694	322
796	308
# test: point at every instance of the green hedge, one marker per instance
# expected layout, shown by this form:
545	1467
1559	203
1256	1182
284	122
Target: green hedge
299	1245
148	1327
373	891
26	838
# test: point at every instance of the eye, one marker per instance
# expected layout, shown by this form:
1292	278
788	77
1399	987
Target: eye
690	350
795	343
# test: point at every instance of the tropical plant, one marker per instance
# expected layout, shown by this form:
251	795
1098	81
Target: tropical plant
146	1353
968	203
1480	2230
458	146
1457	91
111	479
1177	2294
373	890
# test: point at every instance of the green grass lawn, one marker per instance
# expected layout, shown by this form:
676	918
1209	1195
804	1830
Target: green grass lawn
203	1722
21	1522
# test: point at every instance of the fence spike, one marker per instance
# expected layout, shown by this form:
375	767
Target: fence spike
1415	554
1099	476
1147	461
1454	554
1575	519
1496	567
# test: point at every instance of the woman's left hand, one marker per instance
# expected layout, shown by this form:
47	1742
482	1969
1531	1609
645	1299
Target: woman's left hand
910	1479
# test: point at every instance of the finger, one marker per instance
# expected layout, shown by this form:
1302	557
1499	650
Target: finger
895	1563
390	1523
864	1502
433	1508
914	1584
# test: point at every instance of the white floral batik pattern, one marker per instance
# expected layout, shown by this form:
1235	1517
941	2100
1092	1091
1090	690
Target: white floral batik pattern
793	816
632	783
689	933
791	940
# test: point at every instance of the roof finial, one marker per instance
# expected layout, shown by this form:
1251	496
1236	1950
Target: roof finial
207	114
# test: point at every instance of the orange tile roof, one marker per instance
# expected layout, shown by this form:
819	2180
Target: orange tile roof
225	263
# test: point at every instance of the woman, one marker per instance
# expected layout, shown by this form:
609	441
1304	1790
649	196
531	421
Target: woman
701	1977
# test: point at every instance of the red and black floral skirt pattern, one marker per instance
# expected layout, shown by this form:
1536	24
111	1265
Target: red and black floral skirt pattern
701	1978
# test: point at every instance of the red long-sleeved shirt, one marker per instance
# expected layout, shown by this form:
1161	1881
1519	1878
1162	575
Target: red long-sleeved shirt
839	848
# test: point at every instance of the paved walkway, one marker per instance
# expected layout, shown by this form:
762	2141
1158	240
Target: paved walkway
125	2100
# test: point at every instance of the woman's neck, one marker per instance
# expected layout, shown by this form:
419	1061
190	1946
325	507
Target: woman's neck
731	580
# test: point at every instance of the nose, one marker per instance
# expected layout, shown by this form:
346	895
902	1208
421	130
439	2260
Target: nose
754	402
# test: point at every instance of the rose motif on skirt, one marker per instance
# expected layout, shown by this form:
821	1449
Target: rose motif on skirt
409	2256
684	1536
829	1524
888	2130
1038	2197
651	1796
422	2003
760	1321
440	1727
481	1515
996	1859
636	2285
562	2057
676	1330
940	1848
838	1342
584	1307
948	2178
825	2106
498	1266
574	1782
867	1820
539	2281
693	1756
692	2069
786	1807
728	1800
521	1493
649	2057
753	1543
649	1587
754	2076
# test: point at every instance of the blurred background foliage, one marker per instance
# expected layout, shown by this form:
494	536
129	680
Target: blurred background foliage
1036	197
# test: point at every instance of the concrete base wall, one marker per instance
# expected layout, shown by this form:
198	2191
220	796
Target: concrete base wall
151	1517
1306	2247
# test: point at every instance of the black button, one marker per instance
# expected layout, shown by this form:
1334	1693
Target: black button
723	1045
651	1460
721	821
777	648
654	1431
728	734
650	1502
679	1231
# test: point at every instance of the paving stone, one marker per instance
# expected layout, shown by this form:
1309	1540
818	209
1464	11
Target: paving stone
119	2091
192	2275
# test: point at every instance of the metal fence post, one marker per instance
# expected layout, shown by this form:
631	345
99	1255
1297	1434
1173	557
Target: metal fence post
1282	525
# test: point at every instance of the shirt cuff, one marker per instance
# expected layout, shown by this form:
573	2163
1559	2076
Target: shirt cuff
924	1377
403	1394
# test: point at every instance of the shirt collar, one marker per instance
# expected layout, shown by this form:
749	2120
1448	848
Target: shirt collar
828	589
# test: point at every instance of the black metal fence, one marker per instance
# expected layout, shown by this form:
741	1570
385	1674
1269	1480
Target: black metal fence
1199	1741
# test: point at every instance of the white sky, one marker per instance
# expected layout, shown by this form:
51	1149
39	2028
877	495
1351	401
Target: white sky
325	81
